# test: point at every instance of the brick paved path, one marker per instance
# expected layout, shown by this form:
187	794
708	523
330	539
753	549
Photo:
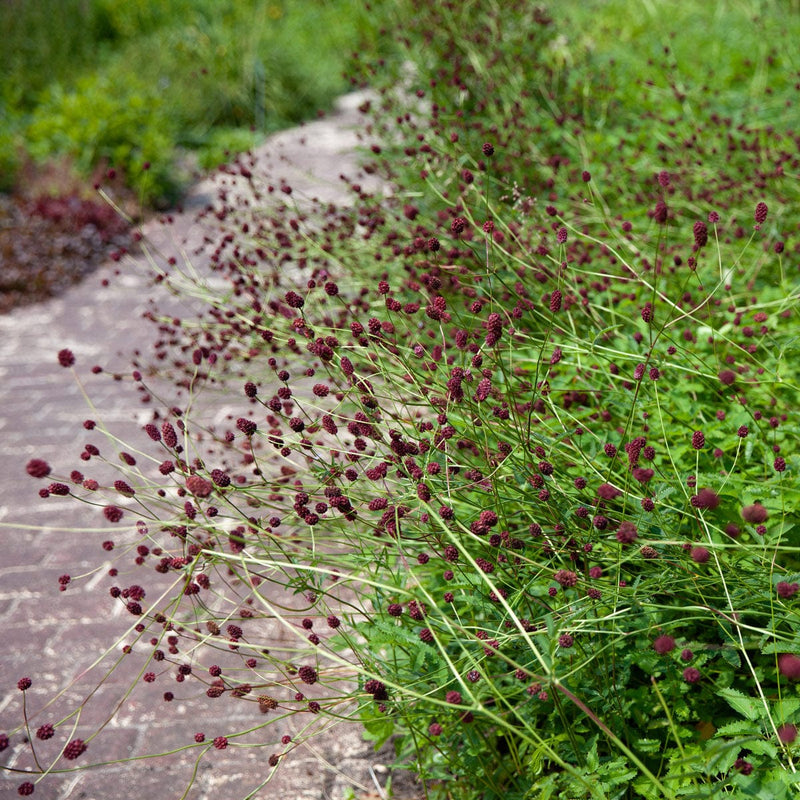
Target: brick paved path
55	637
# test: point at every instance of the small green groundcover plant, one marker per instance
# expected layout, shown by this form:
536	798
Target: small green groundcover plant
509	459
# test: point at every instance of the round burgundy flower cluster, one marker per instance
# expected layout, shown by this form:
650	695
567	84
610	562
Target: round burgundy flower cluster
66	358
307	674
664	644
74	749
626	533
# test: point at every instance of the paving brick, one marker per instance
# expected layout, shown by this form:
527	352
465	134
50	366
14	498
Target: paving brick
55	788
148	779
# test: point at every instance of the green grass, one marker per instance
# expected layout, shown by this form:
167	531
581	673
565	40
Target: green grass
124	83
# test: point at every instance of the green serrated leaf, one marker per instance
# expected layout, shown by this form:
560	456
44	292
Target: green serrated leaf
746	706
663	490
763	748
778	647
647	790
786	707
720	755
649	745
378	732
731	655
592	759
739	728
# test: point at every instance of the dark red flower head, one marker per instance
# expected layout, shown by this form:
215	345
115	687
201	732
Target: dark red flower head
691	675
606	491
46	731
112	513
789	666
66	357
453	697
199	487
307	674
626	533
37	468
246	426
74	749
660	212
700	234
787	733
663	645
786	590
756	514
566	578
458	225
705	498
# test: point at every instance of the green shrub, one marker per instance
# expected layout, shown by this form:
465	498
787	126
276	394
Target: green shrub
10	152
101	123
175	73
43	42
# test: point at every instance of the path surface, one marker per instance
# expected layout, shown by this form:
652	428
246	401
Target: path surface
54	637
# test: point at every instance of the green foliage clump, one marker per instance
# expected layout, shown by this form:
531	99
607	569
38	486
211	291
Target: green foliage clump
153	79
95	124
